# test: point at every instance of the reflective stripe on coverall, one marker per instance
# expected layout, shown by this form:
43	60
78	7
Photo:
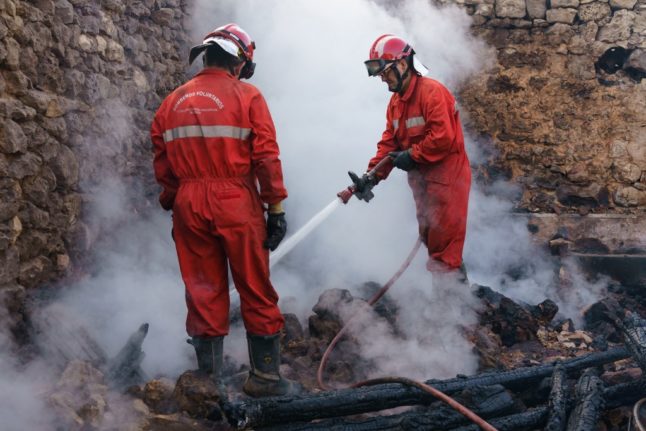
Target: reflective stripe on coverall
425	119
213	138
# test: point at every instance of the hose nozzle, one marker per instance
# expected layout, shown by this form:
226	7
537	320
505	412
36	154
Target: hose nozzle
346	194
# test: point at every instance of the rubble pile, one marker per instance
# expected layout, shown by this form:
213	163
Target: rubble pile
529	356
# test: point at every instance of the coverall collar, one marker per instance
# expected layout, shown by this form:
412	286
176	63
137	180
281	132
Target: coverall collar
214	71
411	88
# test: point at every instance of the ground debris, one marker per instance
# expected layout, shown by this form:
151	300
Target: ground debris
529	366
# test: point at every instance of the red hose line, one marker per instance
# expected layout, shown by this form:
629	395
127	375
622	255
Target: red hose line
436	393
422	386
375	298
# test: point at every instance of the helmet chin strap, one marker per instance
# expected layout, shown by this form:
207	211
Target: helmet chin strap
400	78
232	70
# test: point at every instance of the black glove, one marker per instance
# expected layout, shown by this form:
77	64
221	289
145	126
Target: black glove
276	230
402	160
363	186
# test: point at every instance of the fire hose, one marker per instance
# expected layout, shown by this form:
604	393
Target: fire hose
345	196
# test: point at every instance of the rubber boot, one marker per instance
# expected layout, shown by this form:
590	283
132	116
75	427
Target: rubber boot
463	277
264	377
210	359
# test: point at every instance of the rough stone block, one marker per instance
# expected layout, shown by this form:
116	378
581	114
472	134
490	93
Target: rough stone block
484	9
555	4
114	51
10	230
90	24
540	23
114	5
86	43
137	9
623	4
62	262
10	196
39	100
630	197
14	139
101	45
9	7
618	149
38	188
594	11
619	28
163	16
33	217
16	110
9	265
511	8
24	165
66	167
637	151
561	15
4	172
637	61
12	56
626	172
65	11
536	8
34	271
478	20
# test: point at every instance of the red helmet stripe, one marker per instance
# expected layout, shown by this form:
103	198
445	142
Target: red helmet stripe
389	47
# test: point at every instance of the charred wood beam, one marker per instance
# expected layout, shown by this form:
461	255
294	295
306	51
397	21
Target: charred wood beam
624	394
124	369
590	402
277	410
513	321
634	329
490	401
531	419
557	419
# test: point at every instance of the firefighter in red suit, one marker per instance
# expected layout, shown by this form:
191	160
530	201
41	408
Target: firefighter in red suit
217	160
423	136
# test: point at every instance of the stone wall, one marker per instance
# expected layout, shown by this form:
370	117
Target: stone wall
79	83
564	104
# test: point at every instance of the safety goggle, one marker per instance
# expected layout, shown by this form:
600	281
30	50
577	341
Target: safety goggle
376	67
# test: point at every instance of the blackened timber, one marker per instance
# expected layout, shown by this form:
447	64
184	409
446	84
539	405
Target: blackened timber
513	321
589	402
343	402
124	369
531	419
486	402
624	394
557	419
634	329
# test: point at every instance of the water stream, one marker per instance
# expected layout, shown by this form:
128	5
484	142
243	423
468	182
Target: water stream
287	245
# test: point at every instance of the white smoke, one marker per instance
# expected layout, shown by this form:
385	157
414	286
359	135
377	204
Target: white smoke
329	116
22	405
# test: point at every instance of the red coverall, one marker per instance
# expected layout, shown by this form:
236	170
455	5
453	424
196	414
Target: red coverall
425	119
213	138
